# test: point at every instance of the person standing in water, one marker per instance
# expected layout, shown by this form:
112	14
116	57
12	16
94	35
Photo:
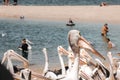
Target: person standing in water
104	30
24	48
70	20
110	44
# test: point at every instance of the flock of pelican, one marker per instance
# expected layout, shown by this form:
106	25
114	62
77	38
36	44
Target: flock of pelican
81	65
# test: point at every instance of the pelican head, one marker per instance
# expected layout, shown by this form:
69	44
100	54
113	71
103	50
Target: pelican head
73	38
12	55
76	42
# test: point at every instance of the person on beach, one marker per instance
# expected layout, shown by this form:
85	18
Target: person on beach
24	48
15	2
104	30
103	4
6	2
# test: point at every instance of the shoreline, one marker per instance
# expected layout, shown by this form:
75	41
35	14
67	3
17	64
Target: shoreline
106	14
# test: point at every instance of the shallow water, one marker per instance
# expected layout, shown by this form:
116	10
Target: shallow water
51	34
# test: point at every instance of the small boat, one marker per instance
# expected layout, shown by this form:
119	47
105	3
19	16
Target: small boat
70	24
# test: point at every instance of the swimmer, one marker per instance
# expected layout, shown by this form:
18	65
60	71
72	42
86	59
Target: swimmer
104	30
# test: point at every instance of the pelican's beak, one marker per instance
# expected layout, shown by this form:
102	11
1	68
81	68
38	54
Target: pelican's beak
20	58
16	56
83	43
62	50
4	58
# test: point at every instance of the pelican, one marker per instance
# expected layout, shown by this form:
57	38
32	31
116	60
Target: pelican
112	73
10	55
46	72
105	73
61	61
111	65
29	42
56	74
76	42
114	67
84	57
118	72
3	34
29	48
25	74
71	58
113	61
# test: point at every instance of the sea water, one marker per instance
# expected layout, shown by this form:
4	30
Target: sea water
50	35
64	2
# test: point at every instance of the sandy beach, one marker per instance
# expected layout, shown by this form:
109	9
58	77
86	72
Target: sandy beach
109	14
